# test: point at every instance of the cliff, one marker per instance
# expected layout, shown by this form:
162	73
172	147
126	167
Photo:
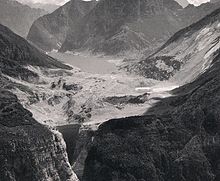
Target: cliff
28	150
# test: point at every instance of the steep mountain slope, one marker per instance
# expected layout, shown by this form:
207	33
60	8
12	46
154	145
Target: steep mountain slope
49	31
28	150
17	16
186	54
114	26
19	52
177	139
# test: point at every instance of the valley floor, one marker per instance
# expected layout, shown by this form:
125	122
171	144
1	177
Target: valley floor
89	95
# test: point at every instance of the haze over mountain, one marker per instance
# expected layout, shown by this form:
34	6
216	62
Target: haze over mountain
49	8
17	16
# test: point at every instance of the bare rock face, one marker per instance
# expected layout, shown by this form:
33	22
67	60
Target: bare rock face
49	31
18	17
28	150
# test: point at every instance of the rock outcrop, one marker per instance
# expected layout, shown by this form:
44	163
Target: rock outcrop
28	150
18	17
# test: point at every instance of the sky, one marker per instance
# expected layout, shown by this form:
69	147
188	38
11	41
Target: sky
61	2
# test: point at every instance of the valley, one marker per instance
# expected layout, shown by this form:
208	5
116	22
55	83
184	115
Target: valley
78	101
110	90
88	93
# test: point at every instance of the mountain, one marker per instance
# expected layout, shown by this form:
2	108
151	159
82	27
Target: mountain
179	137
49	31
113	27
16	53
186	54
17	16
45	6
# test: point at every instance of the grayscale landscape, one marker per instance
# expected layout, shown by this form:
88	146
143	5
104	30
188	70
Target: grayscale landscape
109	90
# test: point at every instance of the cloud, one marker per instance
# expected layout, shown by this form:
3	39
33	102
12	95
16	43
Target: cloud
198	2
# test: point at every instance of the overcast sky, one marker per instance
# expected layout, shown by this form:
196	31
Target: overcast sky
61	2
